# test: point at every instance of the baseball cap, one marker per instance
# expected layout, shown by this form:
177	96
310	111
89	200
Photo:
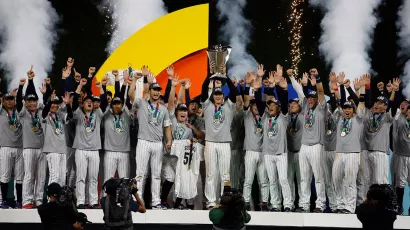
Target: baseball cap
195	100
155	86
348	104
181	107
82	218
218	90
56	100
109	93
87	97
277	102
253	101
382	99
53	189
8	96
294	100
96	98
312	94
31	97
116	100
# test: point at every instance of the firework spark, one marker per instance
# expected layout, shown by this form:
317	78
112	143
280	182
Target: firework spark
294	19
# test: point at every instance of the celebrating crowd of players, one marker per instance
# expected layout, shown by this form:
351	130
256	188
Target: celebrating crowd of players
343	143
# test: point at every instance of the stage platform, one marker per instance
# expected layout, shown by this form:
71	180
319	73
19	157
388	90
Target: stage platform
189	219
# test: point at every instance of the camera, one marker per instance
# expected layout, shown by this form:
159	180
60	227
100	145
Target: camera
125	190
233	198
66	196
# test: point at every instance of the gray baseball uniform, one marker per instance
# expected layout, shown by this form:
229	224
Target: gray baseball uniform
401	131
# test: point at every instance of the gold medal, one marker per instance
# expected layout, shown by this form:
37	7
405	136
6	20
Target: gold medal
12	127
258	130
343	134
118	130
291	130
307	126
34	128
88	129
58	131
270	134
329	132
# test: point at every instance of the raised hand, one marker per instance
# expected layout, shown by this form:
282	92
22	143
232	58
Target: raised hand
91	70
125	75
396	84
212	67
223	69
356	83
170	71
98	84
53	95
257	84
145	70
260	71
150	78
366	79
218	84
283	83
30	73
22	81
114	72
341	78
65	73
43	88
83	81
380	86
279	71
304	79
66	98
188	83
175	81
105	80
235	81
289	72
271	78
248	79
333	77
312	80
14	92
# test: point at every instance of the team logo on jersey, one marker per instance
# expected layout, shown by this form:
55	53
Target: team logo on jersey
219	118
156	115
179	132
119	125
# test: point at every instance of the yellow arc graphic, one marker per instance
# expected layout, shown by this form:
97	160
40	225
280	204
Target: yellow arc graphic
162	42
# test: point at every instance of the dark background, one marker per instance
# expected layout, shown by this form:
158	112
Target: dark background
83	35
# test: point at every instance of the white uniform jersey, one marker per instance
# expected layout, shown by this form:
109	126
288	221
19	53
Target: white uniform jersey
187	169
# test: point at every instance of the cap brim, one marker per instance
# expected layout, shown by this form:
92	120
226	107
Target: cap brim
157	88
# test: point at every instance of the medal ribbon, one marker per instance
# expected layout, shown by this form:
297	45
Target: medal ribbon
330	123
34	118
155	114
217	112
376	121
347	124
192	121
11	117
258	121
88	119
293	119
56	121
272	123
117	120
309	117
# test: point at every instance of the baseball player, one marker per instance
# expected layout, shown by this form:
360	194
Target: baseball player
87	143
117	140
346	164
54	137
11	148
401	135
218	116
237	154
153	121
254	160
314	108
33	139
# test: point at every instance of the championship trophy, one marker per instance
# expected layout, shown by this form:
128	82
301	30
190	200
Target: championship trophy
218	55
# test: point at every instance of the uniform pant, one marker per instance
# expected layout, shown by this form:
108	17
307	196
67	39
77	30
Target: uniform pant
11	160
87	163
345	169
116	161
151	153
70	167
235	168
328	161
169	164
403	170
294	170
57	163
394	170
255	162
217	159
310	160
379	167
35	164
277	171
363	177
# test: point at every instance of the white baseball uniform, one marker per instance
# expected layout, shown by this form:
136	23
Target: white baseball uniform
346	164
310	155
294	137
254	160
55	146
87	143
218	121
117	144
187	169
33	157
153	118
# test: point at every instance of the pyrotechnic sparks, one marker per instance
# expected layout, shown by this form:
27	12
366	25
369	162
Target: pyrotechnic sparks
294	19
111	19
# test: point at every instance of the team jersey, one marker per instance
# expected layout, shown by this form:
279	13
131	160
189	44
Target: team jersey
187	169
401	135
331	129
378	130
54	137
294	132
218	121
313	123
349	134
274	134
11	130
179	131
88	129
33	133
117	131
253	132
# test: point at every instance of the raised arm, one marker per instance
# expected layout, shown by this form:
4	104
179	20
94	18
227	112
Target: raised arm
19	99
174	83
90	79
320	91
103	93
170	72
282	90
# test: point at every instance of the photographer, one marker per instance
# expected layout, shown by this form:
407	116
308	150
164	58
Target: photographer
379	210
118	203
231	213
56	214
